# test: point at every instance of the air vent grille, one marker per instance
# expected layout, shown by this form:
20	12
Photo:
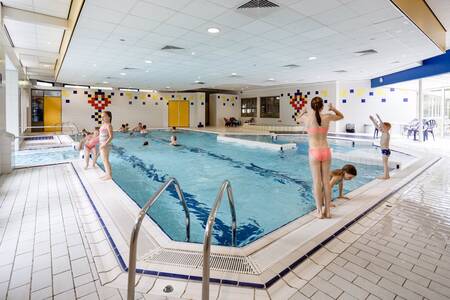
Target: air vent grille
291	66
199	82
129	69
366	52
258	4
340	71
219	262
170	47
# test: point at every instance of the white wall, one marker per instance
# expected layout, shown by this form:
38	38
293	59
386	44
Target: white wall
12	101
398	107
148	108
223	106
326	90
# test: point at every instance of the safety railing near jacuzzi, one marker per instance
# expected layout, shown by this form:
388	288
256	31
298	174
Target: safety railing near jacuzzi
137	226
208	232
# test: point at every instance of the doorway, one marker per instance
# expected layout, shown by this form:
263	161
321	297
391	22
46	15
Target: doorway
178	114
46	111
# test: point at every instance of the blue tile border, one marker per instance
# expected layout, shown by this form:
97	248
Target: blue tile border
270	282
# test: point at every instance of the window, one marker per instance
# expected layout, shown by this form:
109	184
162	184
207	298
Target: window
270	107
432	104
248	107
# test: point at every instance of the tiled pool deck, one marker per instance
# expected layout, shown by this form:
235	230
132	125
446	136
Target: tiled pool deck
48	249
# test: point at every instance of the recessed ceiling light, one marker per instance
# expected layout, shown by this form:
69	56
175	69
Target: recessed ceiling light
193	53
167	87
49	43
146	71
271	79
148	61
233	74
213	30
94	65
123	74
105	82
312	58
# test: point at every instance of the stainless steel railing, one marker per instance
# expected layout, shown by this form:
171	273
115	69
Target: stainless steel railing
137	226
208	231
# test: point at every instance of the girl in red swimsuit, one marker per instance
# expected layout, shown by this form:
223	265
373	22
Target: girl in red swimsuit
90	146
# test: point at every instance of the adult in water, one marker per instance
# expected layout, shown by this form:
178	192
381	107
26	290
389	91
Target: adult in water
105	138
317	124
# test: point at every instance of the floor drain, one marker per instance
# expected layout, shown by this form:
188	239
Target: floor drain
168	289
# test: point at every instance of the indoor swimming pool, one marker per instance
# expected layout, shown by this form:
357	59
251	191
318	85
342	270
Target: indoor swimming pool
270	188
46	156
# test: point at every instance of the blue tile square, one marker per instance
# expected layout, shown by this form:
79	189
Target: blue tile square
392	89
363	100
405	99
344	100
352	91
383	100
325	101
370	93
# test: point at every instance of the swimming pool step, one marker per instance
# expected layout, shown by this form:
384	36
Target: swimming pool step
192	259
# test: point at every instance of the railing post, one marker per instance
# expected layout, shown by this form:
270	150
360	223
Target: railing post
137	226
208	232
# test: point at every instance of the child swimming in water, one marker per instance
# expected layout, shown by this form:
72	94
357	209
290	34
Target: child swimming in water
348	172
173	140
384	127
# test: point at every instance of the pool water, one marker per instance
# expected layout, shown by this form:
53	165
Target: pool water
44	156
258	138
270	188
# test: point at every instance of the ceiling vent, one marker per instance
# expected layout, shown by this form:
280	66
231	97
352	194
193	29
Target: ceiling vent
199	82
111	77
258	4
291	66
170	47
130	69
340	71
235	76
366	52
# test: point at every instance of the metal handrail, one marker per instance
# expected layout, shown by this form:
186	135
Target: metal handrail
208	231
137	226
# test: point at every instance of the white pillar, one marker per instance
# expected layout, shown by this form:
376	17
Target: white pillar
420	111
6	139
12	101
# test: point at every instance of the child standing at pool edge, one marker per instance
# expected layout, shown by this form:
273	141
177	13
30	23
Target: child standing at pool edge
106	136
384	127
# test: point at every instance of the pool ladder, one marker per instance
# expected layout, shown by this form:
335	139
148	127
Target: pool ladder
226	185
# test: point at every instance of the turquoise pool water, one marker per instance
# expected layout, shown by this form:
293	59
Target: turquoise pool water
44	156
270	188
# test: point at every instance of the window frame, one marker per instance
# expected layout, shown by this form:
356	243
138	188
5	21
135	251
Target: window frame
252	108
263	109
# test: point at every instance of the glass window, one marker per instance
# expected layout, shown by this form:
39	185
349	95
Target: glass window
270	107
432	104
248	107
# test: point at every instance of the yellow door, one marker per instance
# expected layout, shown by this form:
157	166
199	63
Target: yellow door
178	114
183	111
52	113
173	113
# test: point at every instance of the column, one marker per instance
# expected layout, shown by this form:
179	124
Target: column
6	139
420	111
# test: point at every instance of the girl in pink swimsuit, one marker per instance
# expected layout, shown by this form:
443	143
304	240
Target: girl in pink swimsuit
317	125
90	146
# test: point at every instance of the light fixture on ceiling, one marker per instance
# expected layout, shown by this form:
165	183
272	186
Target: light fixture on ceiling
271	79
193	53
213	30
128	90
105	82
73	86
148	62
49	43
148	91
312	58
94	65
233	74
167	87
106	88
123	74
44	83
146	71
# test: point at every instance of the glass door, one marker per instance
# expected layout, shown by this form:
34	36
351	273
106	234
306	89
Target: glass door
433	109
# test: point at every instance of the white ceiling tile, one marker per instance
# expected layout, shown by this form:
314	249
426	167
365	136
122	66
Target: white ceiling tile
283	16
117	5
204	9
335	15
229	3
304	25
172	4
151	11
139	23
185	21
95	12
257	27
313	7
233	19
170	30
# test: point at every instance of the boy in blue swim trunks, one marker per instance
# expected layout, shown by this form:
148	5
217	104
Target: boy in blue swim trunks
384	128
